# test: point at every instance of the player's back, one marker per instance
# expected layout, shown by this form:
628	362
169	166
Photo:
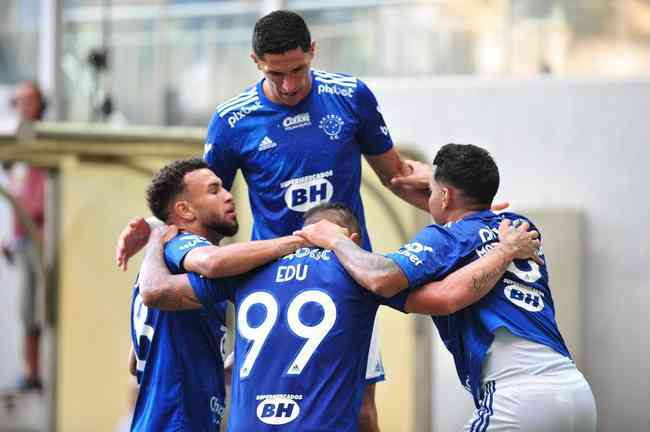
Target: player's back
178	361
304	329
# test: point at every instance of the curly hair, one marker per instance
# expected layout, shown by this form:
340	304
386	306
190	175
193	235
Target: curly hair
470	169
168	183
279	32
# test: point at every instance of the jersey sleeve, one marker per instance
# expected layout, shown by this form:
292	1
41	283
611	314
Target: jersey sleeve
373	133
219	152
210	292
179	246
430	256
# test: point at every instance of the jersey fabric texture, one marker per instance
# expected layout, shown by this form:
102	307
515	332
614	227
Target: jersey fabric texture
179	359
303	332
294	157
521	301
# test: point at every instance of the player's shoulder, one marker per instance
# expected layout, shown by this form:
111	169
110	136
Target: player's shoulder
230	112
337	85
185	241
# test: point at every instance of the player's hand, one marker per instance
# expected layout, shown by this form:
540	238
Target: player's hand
522	243
322	233
131	240
417	176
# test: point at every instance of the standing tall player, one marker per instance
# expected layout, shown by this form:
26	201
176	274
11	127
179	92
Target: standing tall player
297	136
177	355
304	326
507	347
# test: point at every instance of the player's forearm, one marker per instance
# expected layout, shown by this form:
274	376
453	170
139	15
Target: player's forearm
416	197
239	258
374	272
463	287
159	288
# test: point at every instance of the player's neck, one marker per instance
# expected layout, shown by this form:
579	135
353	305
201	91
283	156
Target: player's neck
462	213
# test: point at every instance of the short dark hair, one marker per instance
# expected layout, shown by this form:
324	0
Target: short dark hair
168	183
279	32
347	215
470	169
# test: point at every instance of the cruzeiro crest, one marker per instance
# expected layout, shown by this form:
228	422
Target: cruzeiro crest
331	125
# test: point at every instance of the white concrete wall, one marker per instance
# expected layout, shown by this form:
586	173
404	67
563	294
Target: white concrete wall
563	144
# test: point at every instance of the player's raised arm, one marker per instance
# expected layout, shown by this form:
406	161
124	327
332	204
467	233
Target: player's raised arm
471	283
159	288
238	258
132	239
374	272
390	167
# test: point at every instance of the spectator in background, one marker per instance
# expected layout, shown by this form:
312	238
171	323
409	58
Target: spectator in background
27	186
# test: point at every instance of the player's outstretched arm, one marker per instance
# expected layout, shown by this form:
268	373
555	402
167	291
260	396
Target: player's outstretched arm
372	271
471	283
132	239
413	183
159	288
238	258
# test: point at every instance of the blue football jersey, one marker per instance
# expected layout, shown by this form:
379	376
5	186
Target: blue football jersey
179	358
294	157
521	301
301	348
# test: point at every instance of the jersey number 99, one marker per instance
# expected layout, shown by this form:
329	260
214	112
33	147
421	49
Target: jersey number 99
314	334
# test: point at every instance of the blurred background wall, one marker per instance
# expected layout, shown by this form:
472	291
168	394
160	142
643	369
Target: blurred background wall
558	90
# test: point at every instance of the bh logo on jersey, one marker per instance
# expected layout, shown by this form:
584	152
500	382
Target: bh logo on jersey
526	298
277	411
304	193
332	125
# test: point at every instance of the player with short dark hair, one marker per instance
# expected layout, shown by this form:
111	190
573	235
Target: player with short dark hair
507	348
304	326
298	136
178	356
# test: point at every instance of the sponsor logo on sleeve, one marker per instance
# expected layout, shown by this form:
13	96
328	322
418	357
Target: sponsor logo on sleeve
335	90
278	409
240	114
412	250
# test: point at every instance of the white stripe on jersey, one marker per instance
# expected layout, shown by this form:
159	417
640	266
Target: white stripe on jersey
239	105
237	98
337	82
335	76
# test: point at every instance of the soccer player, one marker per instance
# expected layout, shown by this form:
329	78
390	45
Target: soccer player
177	356
297	136
304	326
507	347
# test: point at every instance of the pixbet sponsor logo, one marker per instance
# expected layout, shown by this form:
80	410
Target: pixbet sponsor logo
297	121
335	90
278	410
242	113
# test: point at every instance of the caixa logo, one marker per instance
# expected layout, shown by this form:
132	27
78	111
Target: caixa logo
301	197
526	298
277	411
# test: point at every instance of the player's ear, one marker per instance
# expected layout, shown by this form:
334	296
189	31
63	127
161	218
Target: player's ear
184	210
312	48
256	60
355	237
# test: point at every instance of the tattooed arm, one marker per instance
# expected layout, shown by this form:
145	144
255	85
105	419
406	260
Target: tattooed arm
159	288
471	283
372	271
